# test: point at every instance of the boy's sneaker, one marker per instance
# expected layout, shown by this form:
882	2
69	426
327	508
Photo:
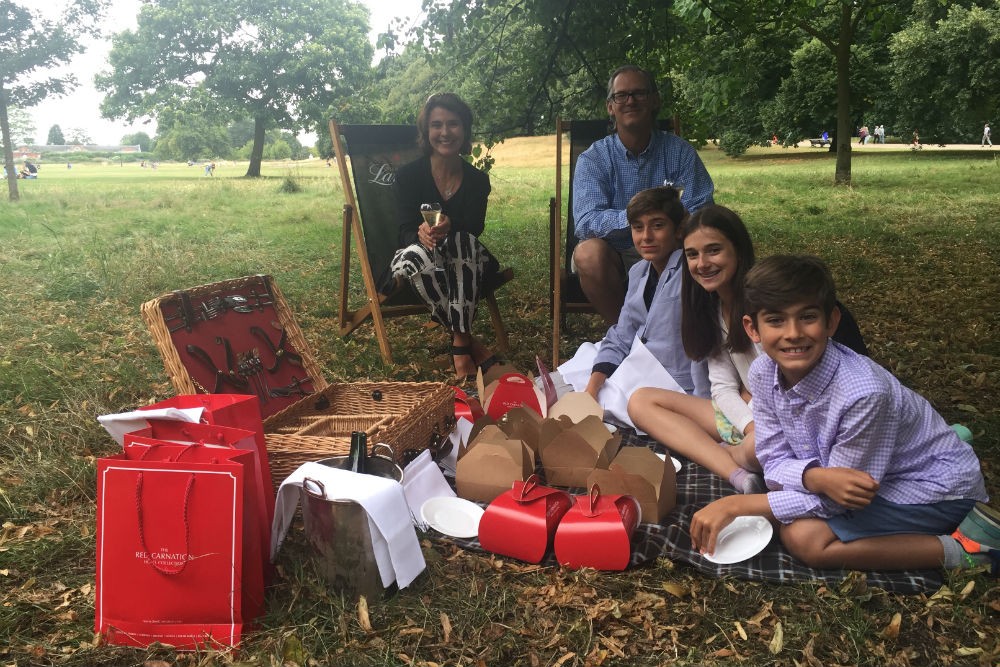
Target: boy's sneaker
979	533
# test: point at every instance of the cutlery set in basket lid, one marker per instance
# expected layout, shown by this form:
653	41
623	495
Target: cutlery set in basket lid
239	336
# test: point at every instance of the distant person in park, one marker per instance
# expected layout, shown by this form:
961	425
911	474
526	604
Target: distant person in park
862	134
440	253
862	473
916	140
825	136
30	170
986	136
210	169
637	156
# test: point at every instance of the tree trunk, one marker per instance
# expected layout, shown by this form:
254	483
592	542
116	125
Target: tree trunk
257	154
8	149
843	135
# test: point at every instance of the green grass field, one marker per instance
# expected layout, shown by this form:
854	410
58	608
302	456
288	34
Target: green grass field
912	245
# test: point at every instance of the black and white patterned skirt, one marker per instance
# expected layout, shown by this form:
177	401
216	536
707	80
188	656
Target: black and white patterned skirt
449	279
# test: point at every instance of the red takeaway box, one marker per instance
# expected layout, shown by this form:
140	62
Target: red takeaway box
597	531
521	522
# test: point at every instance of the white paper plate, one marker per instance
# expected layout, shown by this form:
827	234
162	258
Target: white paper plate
456	517
677	464
744	538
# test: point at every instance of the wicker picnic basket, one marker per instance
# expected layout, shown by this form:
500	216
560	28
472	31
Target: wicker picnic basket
305	418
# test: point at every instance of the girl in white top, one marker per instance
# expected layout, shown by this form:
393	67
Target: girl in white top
718	253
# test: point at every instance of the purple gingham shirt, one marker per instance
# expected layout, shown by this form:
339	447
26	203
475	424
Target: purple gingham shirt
607	176
850	412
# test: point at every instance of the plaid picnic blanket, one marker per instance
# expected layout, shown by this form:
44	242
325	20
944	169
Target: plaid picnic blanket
696	487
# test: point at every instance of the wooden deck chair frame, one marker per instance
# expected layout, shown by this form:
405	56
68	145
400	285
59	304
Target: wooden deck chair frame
564	284
400	147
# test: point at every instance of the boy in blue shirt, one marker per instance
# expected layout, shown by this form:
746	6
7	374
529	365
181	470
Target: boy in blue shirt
652	307
863	473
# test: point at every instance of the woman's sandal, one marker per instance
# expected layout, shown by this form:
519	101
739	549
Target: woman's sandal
464	351
488	363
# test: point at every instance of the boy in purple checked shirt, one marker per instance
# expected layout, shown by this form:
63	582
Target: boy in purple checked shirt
863	473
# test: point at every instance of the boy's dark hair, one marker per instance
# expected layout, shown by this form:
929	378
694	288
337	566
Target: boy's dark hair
700	332
780	281
666	199
452	103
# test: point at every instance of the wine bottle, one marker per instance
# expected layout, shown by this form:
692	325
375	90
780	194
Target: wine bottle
358	458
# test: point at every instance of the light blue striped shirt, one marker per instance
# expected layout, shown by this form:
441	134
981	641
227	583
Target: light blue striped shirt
849	412
659	327
607	176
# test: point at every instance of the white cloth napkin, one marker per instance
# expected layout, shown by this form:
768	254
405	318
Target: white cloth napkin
459	437
639	369
126	422
423	480
394	540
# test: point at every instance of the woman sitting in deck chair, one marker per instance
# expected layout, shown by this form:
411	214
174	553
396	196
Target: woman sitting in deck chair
442	211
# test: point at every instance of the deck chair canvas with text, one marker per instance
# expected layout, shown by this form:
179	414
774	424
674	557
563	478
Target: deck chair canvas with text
376	152
564	284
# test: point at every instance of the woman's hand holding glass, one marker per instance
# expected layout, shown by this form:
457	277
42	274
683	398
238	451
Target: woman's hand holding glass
431	236
433	231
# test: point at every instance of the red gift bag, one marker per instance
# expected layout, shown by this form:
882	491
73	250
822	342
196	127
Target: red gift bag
597	531
521	522
239	411
165	440
171	547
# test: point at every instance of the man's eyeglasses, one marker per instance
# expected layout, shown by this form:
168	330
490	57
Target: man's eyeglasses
622	97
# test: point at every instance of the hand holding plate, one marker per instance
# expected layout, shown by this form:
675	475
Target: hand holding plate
708	522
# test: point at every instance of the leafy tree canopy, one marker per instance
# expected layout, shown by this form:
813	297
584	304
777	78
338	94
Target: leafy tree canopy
836	24
78	135
283	64
191	132
22	126
55	136
953	63
140	139
30	47
519	63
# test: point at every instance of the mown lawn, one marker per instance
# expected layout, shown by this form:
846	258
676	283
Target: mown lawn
912	244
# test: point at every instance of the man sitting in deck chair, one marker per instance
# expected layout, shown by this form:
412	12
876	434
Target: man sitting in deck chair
612	171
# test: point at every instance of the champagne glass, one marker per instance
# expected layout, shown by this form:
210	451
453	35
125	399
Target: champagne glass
431	213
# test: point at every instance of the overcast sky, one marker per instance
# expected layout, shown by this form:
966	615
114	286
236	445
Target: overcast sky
81	109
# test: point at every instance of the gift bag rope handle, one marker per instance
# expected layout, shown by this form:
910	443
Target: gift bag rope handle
187	525
185	432
183	451
592	497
